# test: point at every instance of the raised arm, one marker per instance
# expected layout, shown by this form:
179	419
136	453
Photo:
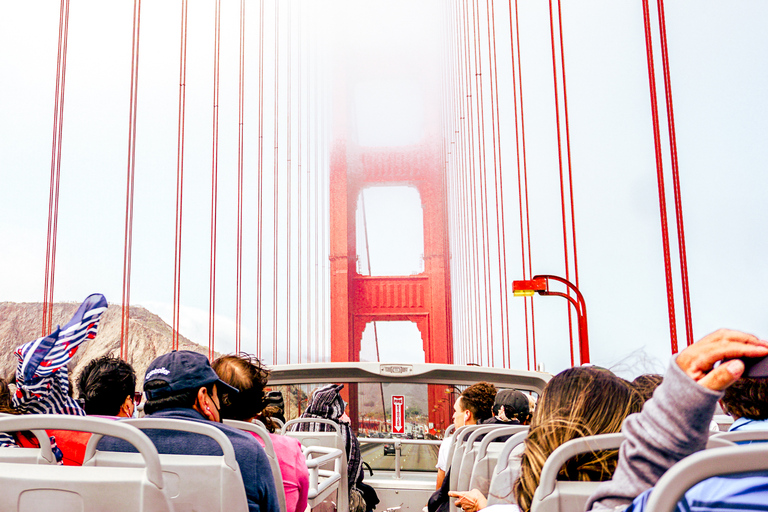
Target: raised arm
675	422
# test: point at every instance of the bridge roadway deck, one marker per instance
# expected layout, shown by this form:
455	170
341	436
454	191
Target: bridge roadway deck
414	457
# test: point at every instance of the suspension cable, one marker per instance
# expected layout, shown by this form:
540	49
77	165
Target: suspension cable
299	196
288	177
560	167
240	121
214	181
53	198
180	176
660	177
675	175
276	182
260	188
501	237
125	310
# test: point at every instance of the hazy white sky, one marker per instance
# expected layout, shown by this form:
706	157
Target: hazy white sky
719	74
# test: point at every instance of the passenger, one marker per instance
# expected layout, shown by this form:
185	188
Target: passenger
673	425
746	401
246	373
275	405
327	403
6	407
474	405
42	379
510	407
646	384
107	386
577	402
183	385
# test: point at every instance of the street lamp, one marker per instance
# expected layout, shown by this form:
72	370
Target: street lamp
540	284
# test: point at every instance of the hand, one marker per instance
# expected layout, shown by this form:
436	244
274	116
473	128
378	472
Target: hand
470	501
698	360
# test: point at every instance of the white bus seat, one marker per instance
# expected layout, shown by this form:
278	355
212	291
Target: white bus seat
328	467
449	430
323	482
33	488
742	436
41	455
702	465
723	421
506	471
718	442
471	446
328	439
456	452
260	430
488	456
458	448
554	496
194	482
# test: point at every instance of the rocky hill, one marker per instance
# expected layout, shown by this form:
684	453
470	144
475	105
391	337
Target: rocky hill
148	335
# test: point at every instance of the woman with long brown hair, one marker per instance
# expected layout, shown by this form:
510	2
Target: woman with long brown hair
578	402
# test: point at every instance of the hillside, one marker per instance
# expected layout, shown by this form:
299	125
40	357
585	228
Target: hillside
148	335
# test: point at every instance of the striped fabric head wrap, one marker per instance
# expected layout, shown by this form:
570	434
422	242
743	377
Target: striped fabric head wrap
42	383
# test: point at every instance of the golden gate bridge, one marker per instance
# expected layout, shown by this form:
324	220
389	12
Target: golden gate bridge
272	118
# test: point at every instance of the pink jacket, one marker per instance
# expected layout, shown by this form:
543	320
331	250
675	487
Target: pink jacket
293	468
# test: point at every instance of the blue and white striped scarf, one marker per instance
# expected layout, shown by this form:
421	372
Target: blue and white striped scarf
42	383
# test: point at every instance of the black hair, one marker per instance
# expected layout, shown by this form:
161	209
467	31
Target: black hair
104	384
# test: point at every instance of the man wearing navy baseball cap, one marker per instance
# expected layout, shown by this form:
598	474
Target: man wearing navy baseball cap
183	385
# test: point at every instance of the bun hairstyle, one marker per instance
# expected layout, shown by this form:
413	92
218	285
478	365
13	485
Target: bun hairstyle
246	373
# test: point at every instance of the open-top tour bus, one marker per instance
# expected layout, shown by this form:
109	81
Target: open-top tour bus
400	451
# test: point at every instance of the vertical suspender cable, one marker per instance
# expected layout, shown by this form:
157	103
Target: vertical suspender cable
675	176
465	172
260	189
560	166
289	226
180	176
299	196
125	312
53	198
568	146
276	182
472	191
501	236
483	182
317	222
660	177
214	182
240	119
525	229
462	173
310	197
459	174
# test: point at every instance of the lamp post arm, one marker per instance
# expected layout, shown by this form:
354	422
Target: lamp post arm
581	308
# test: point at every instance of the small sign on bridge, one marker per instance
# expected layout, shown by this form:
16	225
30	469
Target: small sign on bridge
398	414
